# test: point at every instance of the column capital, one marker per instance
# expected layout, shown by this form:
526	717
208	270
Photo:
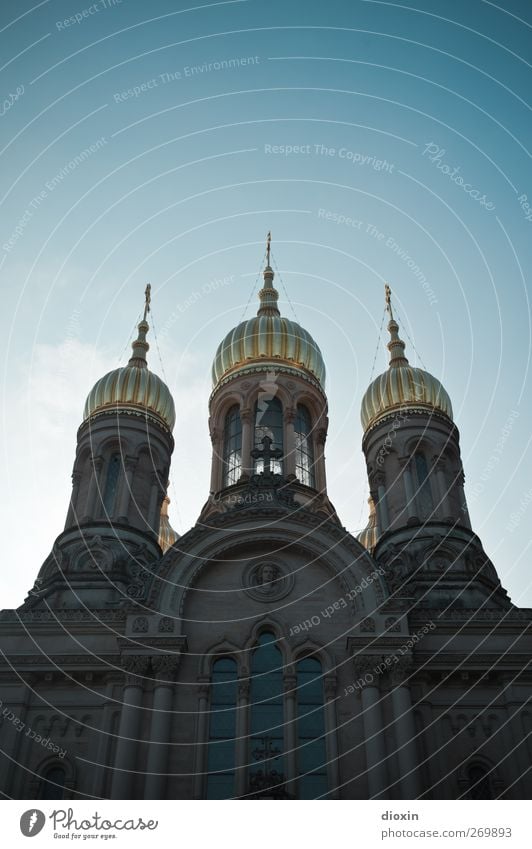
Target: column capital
135	666
130	463
244	686
246	415
97	462
365	667
400	671
321	435
290	414
290	684
165	667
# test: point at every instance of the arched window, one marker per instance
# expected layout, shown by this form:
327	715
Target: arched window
232	456
304	448
423	490
53	783
111	484
479	782
266	771
269	422
222	730
311	748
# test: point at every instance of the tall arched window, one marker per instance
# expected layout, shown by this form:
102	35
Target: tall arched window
311	748
266	771
53	783
232	457
269	422
423	490
111	484
304	448
222	730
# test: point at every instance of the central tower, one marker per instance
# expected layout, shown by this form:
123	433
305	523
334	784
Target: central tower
268	408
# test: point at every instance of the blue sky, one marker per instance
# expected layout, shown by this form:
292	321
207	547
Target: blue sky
160	142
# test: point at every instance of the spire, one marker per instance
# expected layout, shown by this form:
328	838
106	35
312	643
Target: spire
396	346
140	346
268	296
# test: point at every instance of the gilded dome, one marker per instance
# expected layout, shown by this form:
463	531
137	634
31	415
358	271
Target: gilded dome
368	537
133	387
167	535
268	339
402	386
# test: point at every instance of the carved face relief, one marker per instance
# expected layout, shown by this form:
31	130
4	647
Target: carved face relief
267	581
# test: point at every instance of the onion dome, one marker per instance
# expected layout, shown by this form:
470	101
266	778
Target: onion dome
268	341
133	388
167	535
368	537
402	385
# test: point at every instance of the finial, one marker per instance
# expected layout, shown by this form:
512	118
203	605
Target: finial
268	296
140	346
396	346
147	295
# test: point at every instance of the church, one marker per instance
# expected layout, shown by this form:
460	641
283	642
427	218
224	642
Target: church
267	653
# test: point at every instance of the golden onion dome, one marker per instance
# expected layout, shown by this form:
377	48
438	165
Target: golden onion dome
368	537
269	341
133	388
402	385
167	535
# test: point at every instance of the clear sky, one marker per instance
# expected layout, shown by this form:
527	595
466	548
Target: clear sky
159	142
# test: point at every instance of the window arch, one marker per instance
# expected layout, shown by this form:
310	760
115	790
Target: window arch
269	422
222	730
111	483
304	447
311	746
53	782
232	451
479	783
423	488
266	741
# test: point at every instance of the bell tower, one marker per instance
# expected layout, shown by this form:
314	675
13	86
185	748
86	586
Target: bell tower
268	408
419	520
119	481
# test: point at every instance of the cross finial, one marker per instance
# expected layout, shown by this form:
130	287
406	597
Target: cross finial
267	454
388	296
268	247
147	294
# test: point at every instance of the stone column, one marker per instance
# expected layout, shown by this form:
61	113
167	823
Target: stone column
135	667
217	460
130	464
165	668
105	739
290	734
410	501
289	460
330	686
72	516
465	520
202	741
445	510
367	680
93	495
247	440
242	738
154	509
319	460
378	493
405	731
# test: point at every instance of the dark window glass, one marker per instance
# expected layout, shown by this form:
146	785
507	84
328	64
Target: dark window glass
222	730
311	748
232	457
304	448
53	783
269	422
111	484
424	494
266	759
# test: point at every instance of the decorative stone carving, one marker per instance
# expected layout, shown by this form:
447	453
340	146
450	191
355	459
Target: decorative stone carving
400	671
365	670
135	667
166	625
391	624
165	666
267	581
140	625
330	683
367	626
